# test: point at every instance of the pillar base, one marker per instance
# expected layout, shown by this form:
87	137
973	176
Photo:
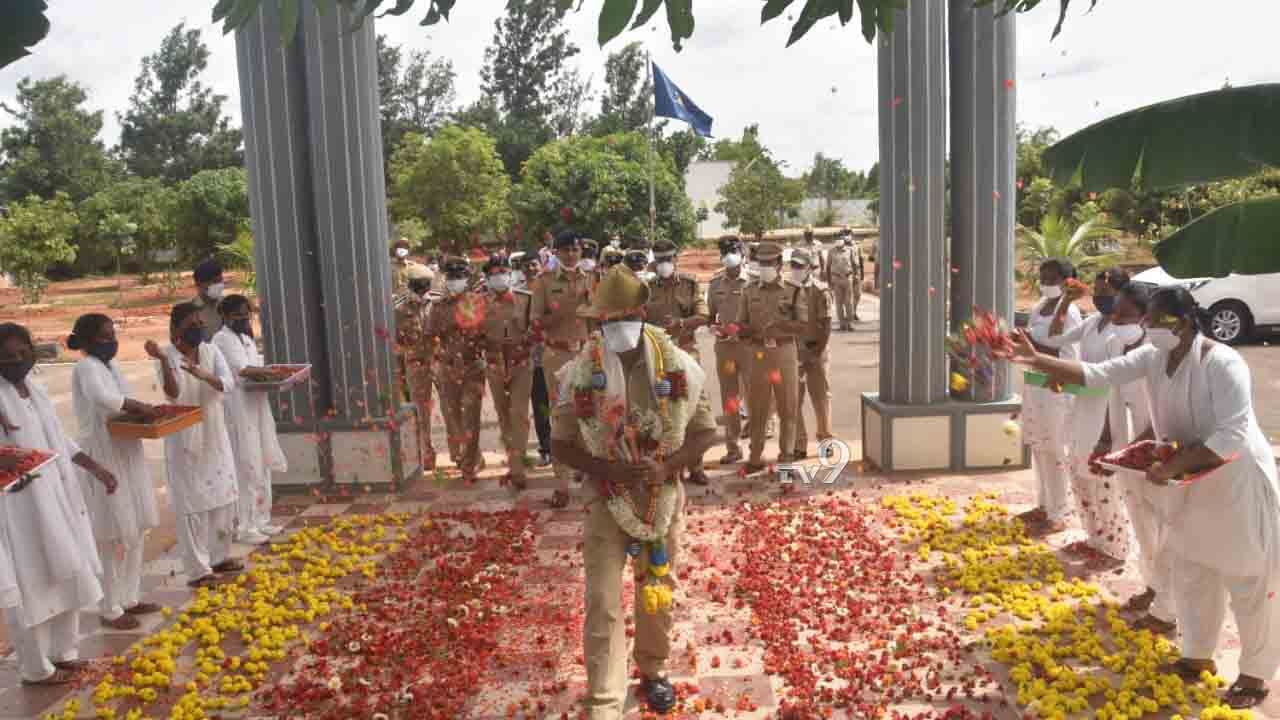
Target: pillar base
951	436
381	456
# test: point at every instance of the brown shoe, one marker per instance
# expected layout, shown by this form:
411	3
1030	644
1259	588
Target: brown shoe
124	622
698	477
755	467
143	608
205	581
59	677
230	565
72	665
733	457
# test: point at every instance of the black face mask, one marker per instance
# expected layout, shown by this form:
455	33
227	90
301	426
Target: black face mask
419	287
104	351
241	326
16	372
192	336
1105	303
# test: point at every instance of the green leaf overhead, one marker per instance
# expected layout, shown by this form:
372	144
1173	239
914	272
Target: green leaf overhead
647	11
288	20
1241	238
1200	138
22	25
614	18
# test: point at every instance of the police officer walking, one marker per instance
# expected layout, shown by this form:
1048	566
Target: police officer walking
416	351
524	268
844	277
455	322
508	349
813	359
772	315
733	356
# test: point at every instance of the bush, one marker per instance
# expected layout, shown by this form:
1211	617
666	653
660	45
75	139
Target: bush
35	235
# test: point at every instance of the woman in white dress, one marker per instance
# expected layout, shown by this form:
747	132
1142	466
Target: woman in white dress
1224	528
45	535
1099	422
121	519
1045	412
201	467
250	423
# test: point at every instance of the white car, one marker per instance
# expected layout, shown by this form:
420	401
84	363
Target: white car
1240	305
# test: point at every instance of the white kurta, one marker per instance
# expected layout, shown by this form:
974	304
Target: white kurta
98	392
1224	529
201	467
1045	420
45	528
252	428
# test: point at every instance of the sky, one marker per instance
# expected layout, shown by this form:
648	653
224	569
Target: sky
817	96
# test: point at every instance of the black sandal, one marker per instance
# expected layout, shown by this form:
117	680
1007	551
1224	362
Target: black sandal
1155	625
1188	671
1140	602
560	500
1242	697
658	694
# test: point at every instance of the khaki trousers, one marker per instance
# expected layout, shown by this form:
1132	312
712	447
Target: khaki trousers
419	379
733	366
767	397
813	380
696	466
460	397
553	359
846	292
604	558
510	388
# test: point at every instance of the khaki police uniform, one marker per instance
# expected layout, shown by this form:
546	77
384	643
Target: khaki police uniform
556	297
733	355
844	277
814	361
460	372
677	305
416	350
774	362
508	359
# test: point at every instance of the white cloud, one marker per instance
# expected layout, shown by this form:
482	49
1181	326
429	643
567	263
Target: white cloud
819	95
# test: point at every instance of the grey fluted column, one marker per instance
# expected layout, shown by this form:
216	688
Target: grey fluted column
983	167
913	147
313	150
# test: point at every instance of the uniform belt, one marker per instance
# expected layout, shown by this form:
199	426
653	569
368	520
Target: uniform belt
565	346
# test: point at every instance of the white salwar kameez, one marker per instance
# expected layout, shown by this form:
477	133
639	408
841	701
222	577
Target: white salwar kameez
48	541
1045	419
252	428
201	468
120	520
1224	530
1099	500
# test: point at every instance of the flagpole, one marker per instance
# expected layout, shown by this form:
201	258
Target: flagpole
653	109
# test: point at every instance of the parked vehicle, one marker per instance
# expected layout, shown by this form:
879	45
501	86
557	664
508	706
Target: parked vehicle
1240	305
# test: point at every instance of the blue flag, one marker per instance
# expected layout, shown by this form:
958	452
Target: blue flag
670	101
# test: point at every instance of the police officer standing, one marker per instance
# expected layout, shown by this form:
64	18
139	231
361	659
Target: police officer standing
813	359
455	321
676	304
733	356
816	254
773	313
844	277
416	351
557	294
508	349
610	256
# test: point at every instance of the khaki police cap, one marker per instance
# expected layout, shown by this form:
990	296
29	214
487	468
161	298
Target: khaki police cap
664	249
768	252
619	293
417	272
801	256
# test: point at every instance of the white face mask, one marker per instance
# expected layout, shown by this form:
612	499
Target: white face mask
214	291
1163	338
768	274
1049	292
402	253
666	269
1128	334
732	260
799	276
501	282
517	278
622	335
456	287
587	264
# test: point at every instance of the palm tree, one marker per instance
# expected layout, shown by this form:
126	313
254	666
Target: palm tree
1058	237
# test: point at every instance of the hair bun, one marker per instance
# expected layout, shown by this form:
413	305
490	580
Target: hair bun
73	342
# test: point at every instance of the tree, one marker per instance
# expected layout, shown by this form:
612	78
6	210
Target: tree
602	185
208	210
627	102
53	144
1058	237
681	147
828	179
758	197
738	151
417	97
174	127
35	235
454	183
146	203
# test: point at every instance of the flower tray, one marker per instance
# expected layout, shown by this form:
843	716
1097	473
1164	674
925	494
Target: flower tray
289	375
1041	380
29	462
176	418
1134	460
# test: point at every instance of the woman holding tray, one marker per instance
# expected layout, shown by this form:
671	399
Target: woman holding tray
1099	422
1224	535
201	467
121	519
1045	412
49	561
252	426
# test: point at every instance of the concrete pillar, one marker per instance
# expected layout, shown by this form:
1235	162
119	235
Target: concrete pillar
313	151
983	169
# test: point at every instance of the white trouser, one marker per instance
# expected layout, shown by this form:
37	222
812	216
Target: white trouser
1101	506
39	647
1155	563
1051	481
253	506
205	539
121	576
1202	594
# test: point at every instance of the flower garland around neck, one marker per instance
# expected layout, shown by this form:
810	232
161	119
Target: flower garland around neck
611	432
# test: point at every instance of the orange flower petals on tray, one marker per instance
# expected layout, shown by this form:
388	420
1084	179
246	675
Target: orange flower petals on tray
17	463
